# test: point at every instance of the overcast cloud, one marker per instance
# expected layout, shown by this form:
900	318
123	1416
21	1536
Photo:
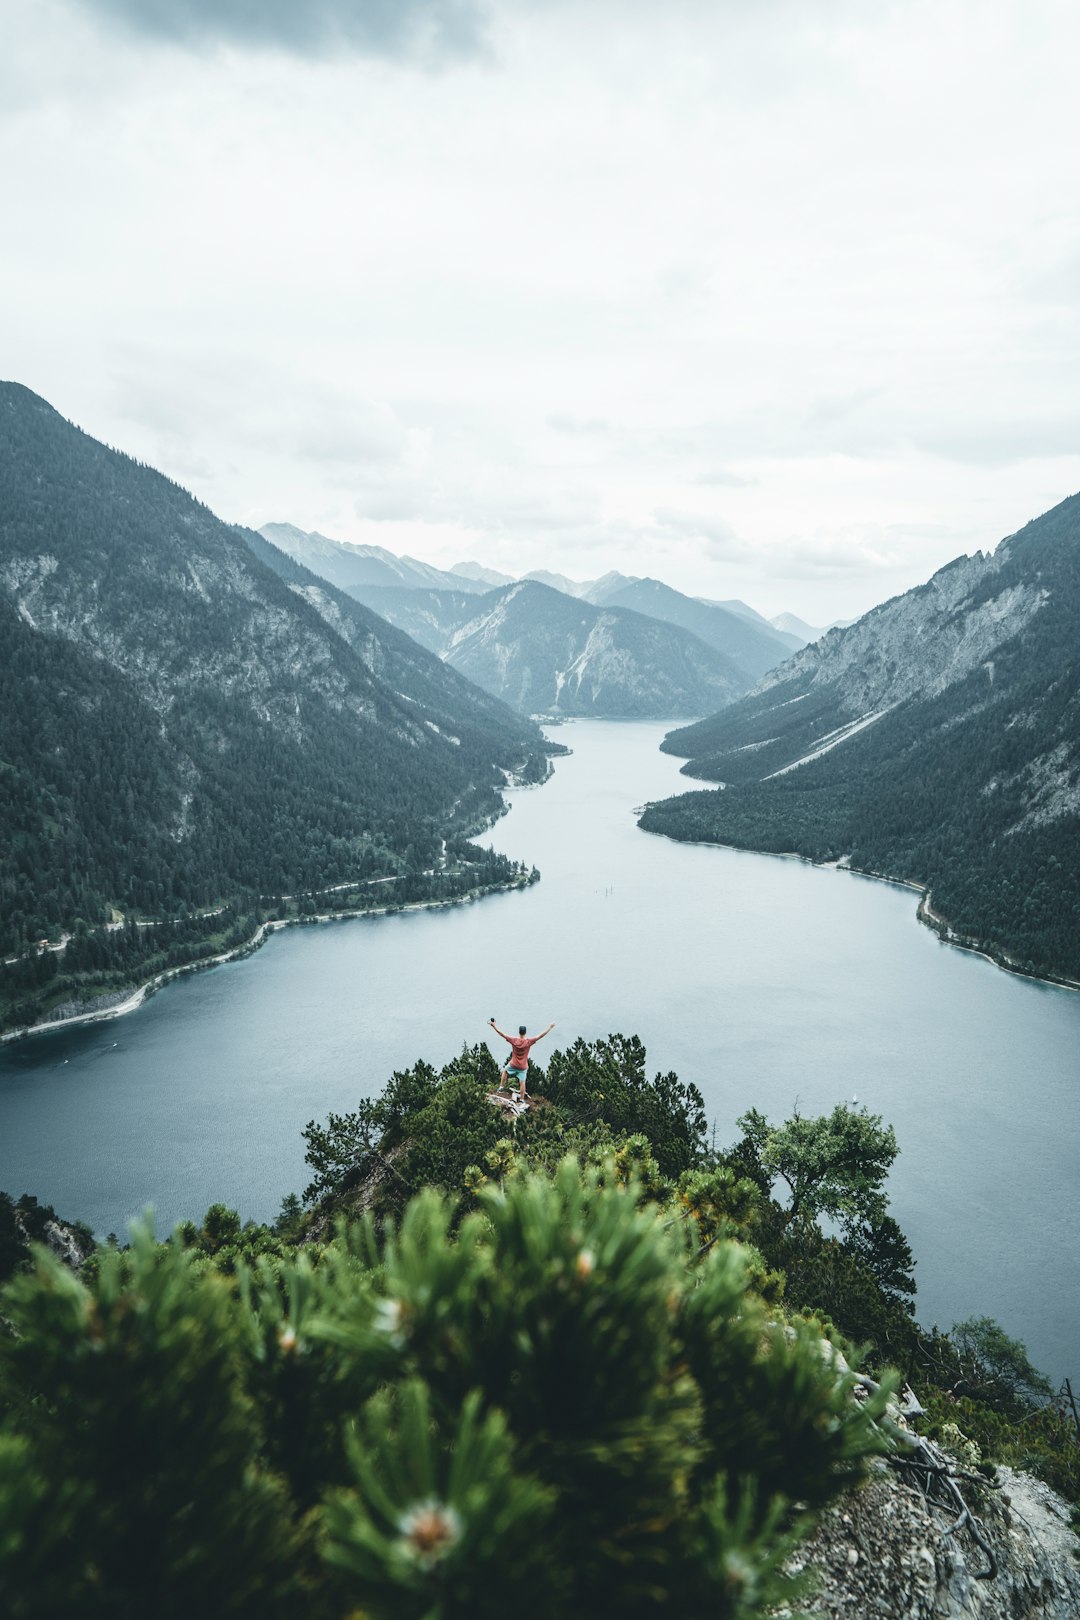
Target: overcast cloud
423	30
778	301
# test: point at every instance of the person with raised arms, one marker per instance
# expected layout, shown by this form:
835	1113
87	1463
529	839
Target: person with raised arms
518	1062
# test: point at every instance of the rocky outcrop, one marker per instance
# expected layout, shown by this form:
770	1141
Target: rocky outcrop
922	642
68	1244
24	1222
883	1553
509	1104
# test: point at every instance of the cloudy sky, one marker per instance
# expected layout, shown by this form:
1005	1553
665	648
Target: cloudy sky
777	299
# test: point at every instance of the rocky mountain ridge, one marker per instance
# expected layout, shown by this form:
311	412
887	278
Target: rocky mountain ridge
918	644
723	624
345	563
546	653
937	740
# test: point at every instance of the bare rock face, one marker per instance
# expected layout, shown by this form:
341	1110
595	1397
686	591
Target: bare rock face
26	1222
883	1553
509	1104
69	1246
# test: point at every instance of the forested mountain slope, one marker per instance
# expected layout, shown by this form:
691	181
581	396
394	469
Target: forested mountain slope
544	652
187	729
937	740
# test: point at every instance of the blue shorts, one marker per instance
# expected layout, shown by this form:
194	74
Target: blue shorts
516	1074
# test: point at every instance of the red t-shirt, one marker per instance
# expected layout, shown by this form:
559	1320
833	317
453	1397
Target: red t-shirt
519	1057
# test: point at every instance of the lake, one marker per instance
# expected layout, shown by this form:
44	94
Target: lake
766	981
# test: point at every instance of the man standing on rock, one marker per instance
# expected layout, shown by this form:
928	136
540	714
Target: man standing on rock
518	1061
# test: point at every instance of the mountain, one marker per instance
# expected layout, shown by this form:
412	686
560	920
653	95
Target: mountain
447	700
547	653
557	582
481	575
936	740
596	591
345	564
193	729
751	644
792	625
600	591
734	605
795	631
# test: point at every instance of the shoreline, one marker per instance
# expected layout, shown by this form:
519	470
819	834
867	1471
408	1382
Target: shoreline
142	992
924	912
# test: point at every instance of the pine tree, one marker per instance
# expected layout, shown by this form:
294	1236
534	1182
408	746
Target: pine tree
562	1402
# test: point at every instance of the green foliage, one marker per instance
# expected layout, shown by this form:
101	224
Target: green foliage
750	1370
826	1279
424	1129
886	1253
858	1281
430	1128
1042	1440
606	1081
621	1372
339	1147
566	1390
455	1128
997	1368
557	1404
221	1238
139	1490
859	1286
428	1509
833	1165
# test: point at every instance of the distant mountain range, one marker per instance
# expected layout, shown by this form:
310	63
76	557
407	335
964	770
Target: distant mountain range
753	644
792	625
545	652
345	563
544	658
194	725
936	740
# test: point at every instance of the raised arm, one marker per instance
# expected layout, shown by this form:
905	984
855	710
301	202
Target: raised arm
499	1031
547	1031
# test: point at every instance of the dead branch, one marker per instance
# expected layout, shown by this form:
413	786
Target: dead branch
938	1481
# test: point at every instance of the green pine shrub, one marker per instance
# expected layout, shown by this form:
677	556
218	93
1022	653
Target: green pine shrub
560	1402
132	1482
